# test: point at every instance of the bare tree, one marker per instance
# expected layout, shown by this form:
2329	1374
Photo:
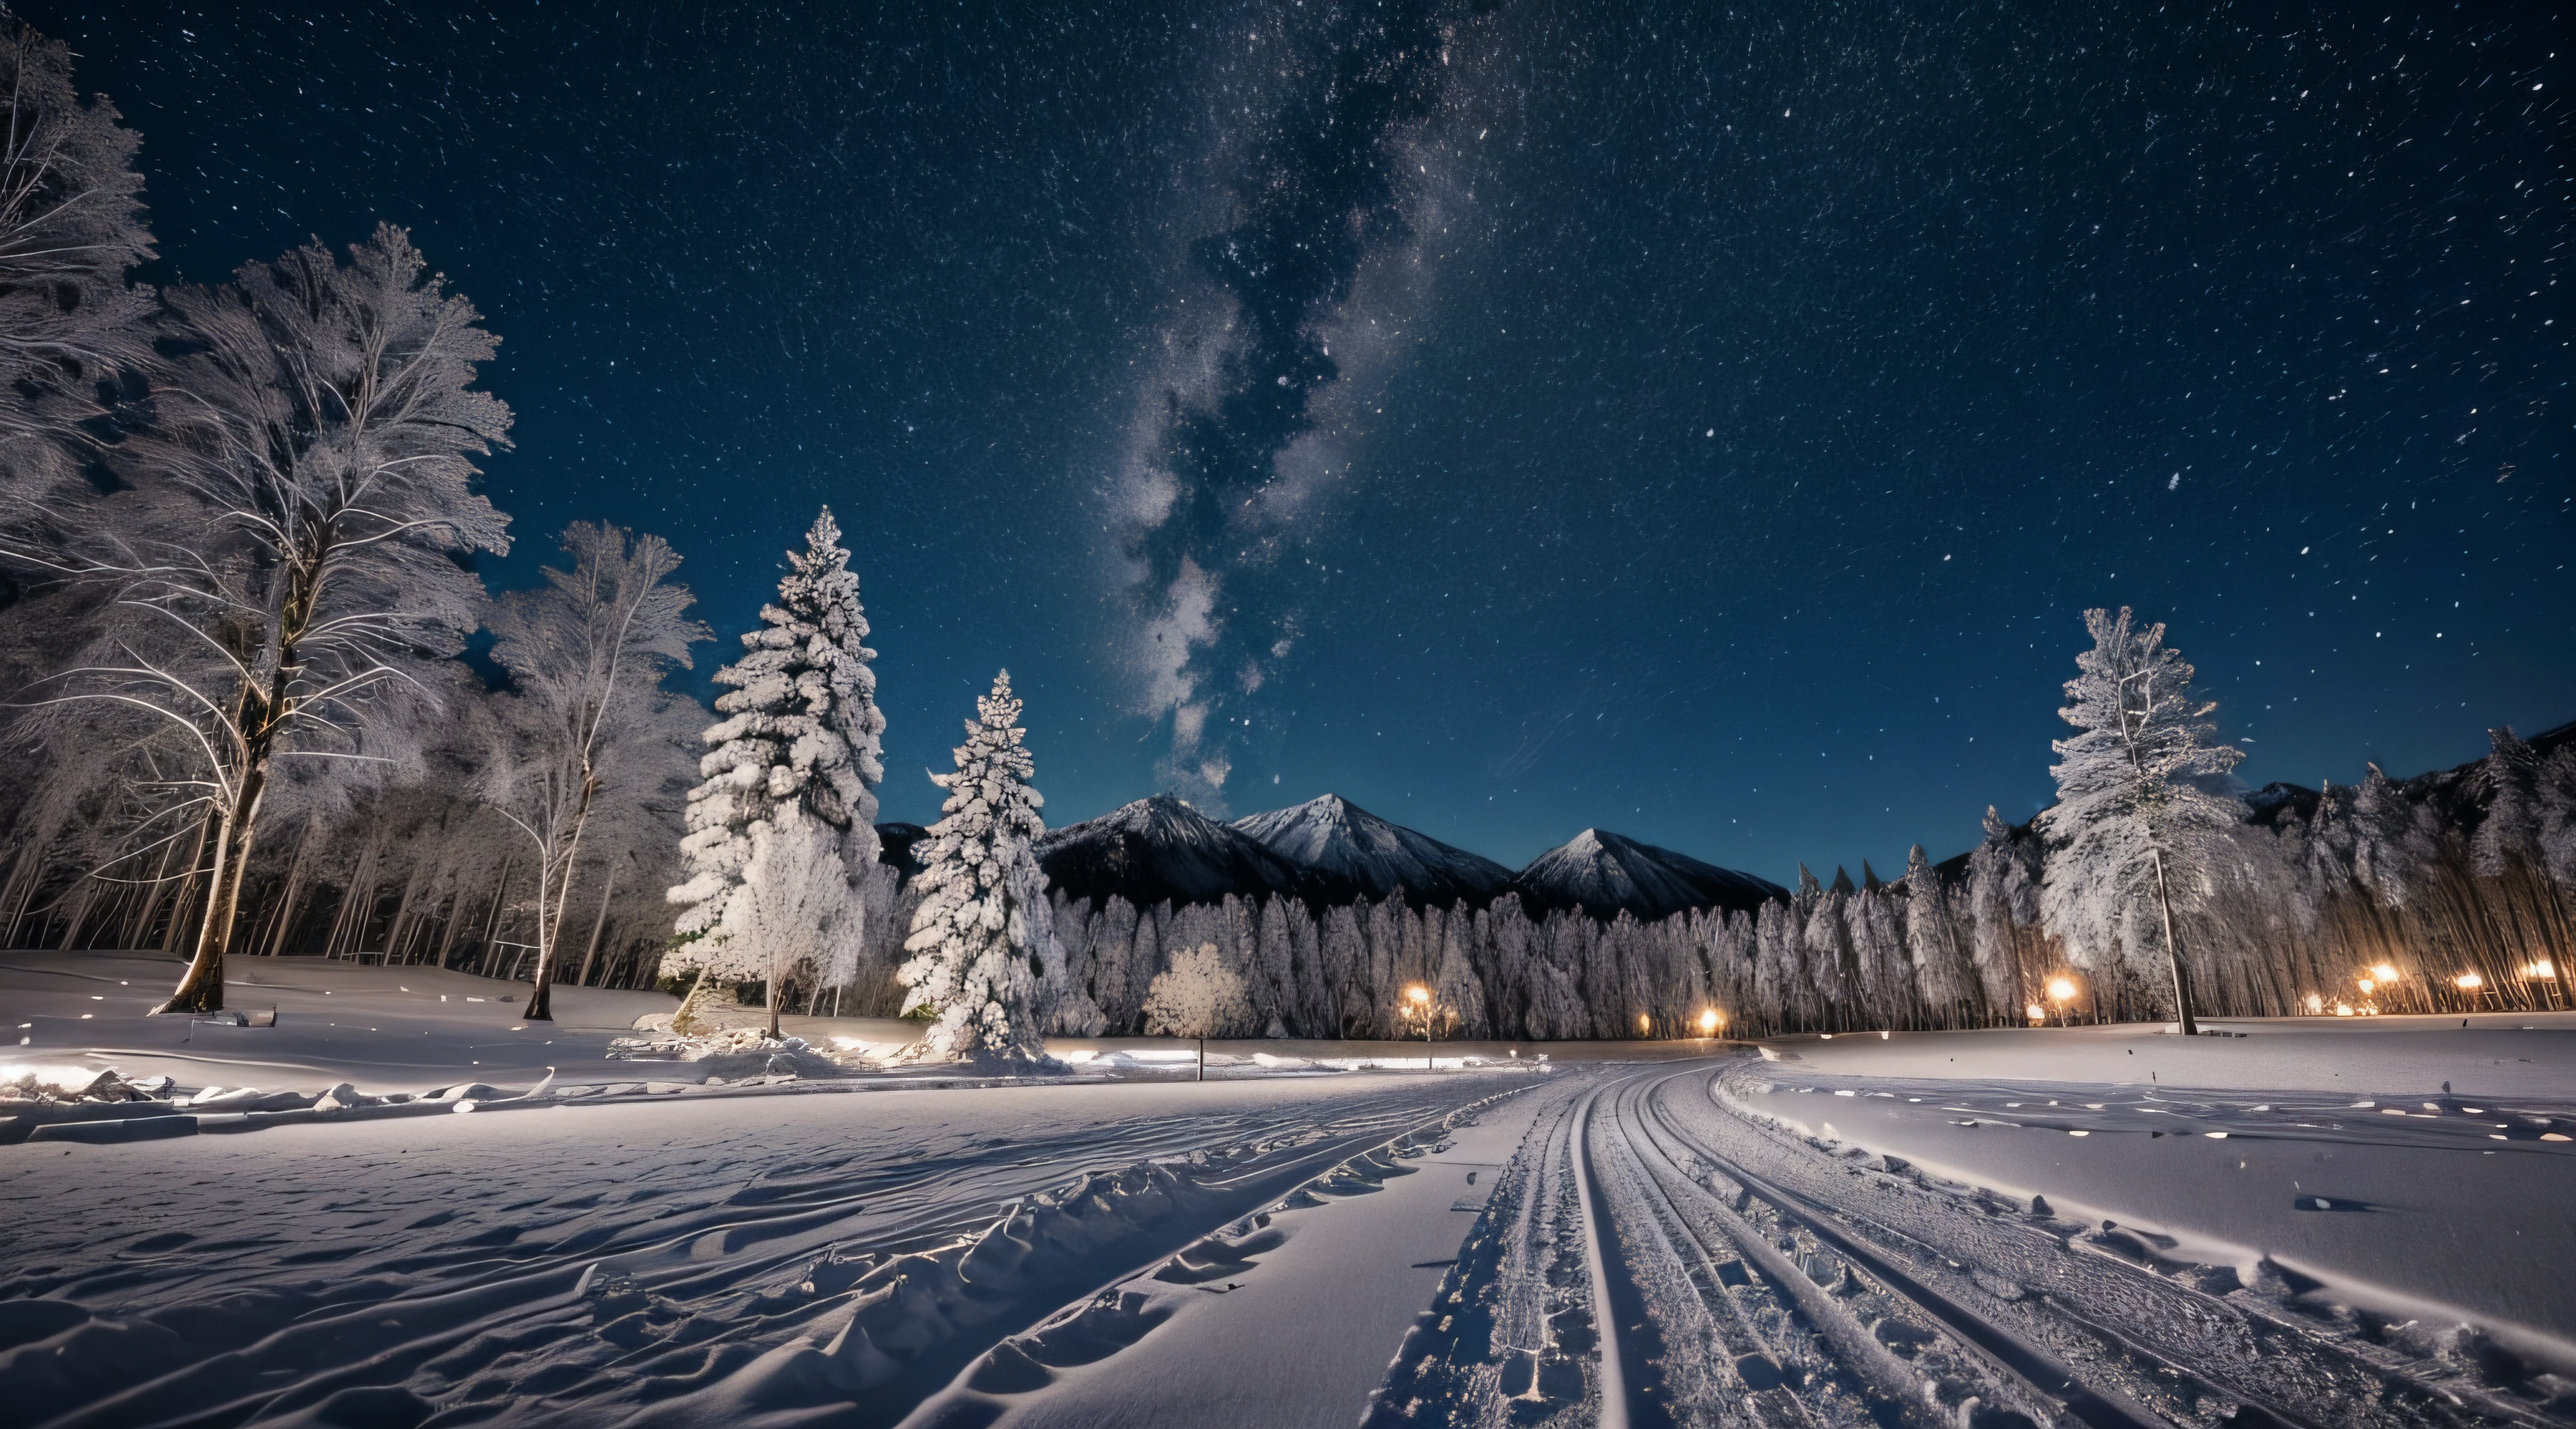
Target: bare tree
292	533
586	654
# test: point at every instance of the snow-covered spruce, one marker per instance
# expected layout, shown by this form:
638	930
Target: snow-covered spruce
2146	803
801	730
983	937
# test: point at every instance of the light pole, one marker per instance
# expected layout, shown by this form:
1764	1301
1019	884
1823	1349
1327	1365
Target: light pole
1710	1019
1418	1000
2060	991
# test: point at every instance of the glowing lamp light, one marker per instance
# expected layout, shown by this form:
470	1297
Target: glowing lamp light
2343	1009
1709	1022
2364	984
2035	1013
2060	989
2316	1003
2468	982
1417	994
2385	972
2540	969
1644	1023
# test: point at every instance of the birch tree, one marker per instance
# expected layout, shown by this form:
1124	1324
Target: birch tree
586	655
2146	800
293	533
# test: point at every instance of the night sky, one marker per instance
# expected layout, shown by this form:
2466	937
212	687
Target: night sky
1702	422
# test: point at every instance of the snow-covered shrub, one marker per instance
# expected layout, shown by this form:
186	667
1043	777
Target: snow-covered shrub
1198	997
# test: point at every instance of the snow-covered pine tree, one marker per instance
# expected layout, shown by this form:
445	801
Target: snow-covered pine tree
2146	798
801	726
984	934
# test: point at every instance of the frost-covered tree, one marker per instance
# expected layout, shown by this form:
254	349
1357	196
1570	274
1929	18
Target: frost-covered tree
2146	801
1197	996
586	655
293	541
801	726
984	934
798	907
71	225
1941	967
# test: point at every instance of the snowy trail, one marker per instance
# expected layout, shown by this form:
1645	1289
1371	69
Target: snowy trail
1756	1276
386	1273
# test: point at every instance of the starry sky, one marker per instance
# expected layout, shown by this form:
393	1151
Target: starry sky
1702	421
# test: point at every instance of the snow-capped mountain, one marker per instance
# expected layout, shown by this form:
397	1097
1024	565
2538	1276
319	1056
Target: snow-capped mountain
1351	852
1160	848
1602	873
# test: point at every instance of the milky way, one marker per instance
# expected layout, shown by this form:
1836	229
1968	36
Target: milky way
1332	178
1705	422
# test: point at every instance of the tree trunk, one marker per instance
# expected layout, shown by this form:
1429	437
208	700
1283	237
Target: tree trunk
2173	954
202	989
597	925
550	922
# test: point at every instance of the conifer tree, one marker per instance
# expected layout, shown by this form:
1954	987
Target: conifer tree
801	727
984	933
2145	797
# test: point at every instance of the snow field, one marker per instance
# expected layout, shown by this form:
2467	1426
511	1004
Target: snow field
636	1264
1283	1318
1756	1276
2430	1211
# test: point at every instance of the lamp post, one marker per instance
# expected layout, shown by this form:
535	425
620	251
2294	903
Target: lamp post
2385	974
1710	1019
1418	1002
2060	991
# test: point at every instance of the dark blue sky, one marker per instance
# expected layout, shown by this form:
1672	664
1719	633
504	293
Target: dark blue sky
1706	423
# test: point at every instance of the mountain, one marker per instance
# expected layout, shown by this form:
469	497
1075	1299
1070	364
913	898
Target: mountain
1352	853
1603	873
1160	848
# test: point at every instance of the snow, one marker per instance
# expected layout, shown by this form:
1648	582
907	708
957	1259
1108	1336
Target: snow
2222	1145
1300	1303
1371	857
1604	872
583	1264
1160	848
1828	1230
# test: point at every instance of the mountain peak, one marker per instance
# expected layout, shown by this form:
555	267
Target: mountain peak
1160	849
1346	850
1605	873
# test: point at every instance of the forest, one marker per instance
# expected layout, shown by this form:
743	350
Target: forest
249	716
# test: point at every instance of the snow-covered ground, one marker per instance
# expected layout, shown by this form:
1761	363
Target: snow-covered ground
2105	1226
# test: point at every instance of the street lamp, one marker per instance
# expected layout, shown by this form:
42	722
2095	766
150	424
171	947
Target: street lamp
2036	1013
1418	999
2060	990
